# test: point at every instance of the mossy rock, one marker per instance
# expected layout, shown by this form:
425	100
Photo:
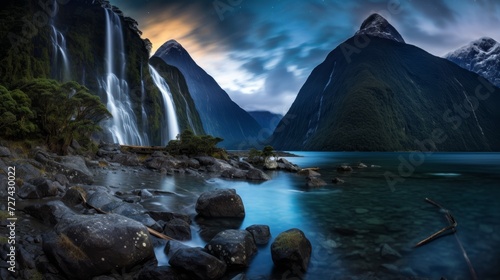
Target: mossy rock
291	249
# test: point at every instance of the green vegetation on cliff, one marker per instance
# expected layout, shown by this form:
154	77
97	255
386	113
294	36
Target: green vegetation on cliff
192	145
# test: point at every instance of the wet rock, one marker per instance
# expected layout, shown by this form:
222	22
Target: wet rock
172	246
337	180
100	198
205	161
167	216
288	166
234	247
25	258
308	173
177	229
233	173
344	169
260	233
145	194
62	179
313	182
290	249
193	163
270	164
160	273
386	252
198	263
390	268
4	152
245	165
220	204
27	171
361	165
126	159
257	175
49	213
73	196
73	167
44	187
86	246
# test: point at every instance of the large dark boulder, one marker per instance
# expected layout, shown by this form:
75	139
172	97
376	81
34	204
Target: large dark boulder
161	273
205	160
234	247
85	246
261	233
233	173
49	213
291	249
198	263
177	229
257	175
223	203
167	216
126	159
38	188
73	167
313	182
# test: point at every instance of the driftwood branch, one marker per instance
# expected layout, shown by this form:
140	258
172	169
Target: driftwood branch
100	211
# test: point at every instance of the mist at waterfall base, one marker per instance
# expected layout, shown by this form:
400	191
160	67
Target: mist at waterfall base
348	223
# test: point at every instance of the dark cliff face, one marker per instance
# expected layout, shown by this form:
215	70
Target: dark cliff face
220	116
390	96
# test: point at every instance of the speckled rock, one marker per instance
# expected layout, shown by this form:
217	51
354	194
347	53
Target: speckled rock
234	247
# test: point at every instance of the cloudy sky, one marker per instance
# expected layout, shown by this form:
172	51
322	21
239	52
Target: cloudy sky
262	51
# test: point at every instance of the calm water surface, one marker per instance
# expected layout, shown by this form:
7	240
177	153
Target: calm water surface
348	223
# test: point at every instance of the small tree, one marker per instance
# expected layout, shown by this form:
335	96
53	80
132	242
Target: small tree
268	151
191	144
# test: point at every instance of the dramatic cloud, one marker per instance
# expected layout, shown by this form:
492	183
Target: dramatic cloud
262	51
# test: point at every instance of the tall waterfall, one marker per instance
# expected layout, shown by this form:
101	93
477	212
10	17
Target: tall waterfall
143	109
60	62
123	125
170	115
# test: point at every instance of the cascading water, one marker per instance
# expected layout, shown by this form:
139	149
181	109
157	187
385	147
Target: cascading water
60	62
123	125
170	115
143	110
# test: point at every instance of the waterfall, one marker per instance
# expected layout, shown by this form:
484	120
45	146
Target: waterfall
60	62
123	125
170	115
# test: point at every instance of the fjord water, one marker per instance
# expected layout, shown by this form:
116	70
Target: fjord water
348	223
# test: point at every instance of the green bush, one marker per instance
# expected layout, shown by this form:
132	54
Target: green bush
190	144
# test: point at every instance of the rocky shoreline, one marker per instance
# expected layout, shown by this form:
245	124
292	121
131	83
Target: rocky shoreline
68	228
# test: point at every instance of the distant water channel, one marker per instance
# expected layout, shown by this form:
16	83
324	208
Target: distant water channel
348	223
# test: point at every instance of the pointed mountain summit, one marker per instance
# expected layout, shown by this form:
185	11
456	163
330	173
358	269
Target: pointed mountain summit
378	26
481	56
391	97
220	116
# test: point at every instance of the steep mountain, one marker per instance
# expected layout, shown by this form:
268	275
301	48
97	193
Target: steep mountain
481	56
390	96
266	119
376	25
219	114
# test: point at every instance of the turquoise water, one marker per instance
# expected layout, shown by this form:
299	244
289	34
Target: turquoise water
348	223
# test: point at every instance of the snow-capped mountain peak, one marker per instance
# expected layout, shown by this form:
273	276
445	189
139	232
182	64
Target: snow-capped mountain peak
481	56
376	25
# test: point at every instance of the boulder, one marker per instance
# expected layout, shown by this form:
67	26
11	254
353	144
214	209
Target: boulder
4	152
198	263
344	168
62	179
88	245
361	165
73	167
193	163
261	233
177	229
160	273
100	198
313	182
288	166
233	173
245	165
337	180
49	213
223	203
270	164
308	172
257	175
27	171
172	246
167	216
205	160
38	188
234	247
126	159
291	249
